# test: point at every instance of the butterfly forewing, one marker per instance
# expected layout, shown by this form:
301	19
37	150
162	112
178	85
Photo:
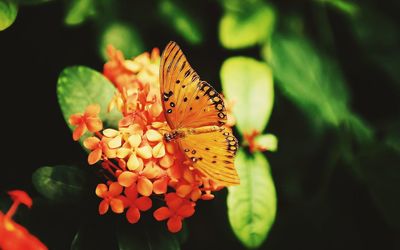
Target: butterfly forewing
188	102
213	155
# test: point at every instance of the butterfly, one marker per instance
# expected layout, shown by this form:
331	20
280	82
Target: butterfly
196	114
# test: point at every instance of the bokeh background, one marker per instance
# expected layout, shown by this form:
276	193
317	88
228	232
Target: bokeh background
336	110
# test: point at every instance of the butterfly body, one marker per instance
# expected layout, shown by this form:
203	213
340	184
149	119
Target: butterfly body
181	133
196	115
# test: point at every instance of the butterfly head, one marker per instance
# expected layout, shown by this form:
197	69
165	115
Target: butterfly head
173	135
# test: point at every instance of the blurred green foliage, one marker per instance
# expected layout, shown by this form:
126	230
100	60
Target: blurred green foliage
246	25
79	11
312	81
379	36
184	23
121	36
8	13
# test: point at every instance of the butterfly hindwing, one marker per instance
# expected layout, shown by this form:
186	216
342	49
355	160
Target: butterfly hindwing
213	155
188	102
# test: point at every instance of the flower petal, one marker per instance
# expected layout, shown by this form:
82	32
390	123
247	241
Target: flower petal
166	161
188	175
145	152
115	189
94	156
174	224
162	213
173	201
79	131
123	152
195	195
117	206
151	172
153	135
131	193
157	124
101	190
103	207
127	178
207	197
170	148
185	211
156	109
133	162
159	150
135	140
115	142
175	171
143	203
110	153
111	133
133	215
75	119
144	186
160	185
21	196
184	190
91	142
94	124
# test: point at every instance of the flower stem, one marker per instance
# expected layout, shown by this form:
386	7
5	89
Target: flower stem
12	209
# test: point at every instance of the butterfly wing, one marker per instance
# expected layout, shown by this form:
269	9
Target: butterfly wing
213	155
188	102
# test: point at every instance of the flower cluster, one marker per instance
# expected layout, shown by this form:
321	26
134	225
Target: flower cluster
12	235
139	163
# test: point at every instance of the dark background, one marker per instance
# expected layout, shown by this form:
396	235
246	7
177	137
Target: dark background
319	206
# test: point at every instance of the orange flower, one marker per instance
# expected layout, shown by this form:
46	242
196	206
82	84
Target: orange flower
12	235
89	120
98	148
250	140
135	153
177	209
111	197
141	177
135	204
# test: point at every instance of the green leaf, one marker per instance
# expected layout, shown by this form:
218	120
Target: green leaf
60	183
252	204
8	13
268	141
244	29
123	37
78	11
249	84
312	82
80	86
184	24
139	236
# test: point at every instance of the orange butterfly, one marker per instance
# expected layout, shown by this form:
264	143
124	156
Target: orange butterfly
196	114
